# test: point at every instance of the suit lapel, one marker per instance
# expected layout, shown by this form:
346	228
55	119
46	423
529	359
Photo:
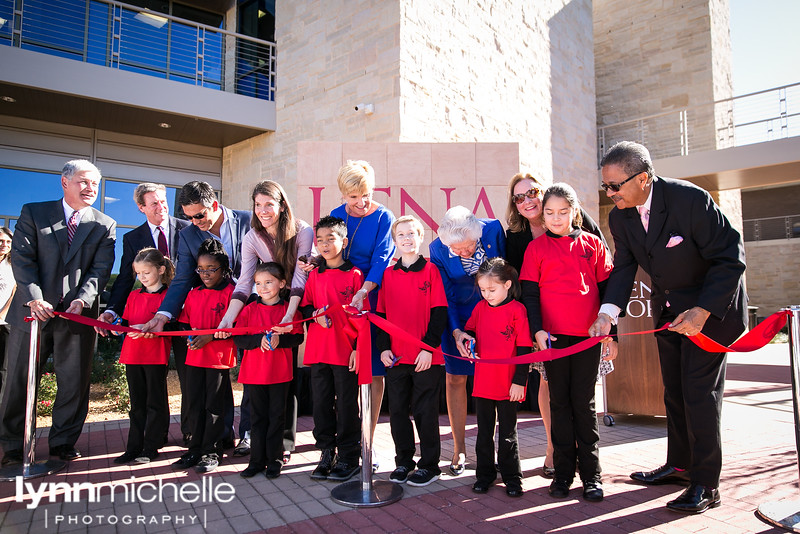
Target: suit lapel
658	215
59	226
83	231
635	227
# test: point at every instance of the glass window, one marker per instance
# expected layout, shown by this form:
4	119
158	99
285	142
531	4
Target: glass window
118	248
30	186
119	205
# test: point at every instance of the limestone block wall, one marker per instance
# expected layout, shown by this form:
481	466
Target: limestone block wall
773	280
654	56
504	72
489	72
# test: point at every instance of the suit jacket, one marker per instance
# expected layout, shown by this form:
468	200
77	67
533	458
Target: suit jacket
189	241
47	267
462	292
705	268
132	242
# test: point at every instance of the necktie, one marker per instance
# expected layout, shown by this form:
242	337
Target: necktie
644	213
162	242
72	225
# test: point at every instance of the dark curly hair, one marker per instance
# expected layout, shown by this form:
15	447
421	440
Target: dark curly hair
213	248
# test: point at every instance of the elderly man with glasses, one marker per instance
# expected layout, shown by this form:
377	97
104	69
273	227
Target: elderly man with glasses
675	232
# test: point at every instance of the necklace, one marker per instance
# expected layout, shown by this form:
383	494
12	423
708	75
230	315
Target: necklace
351	239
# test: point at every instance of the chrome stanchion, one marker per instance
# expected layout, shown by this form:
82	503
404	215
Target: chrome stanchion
365	493
786	514
29	467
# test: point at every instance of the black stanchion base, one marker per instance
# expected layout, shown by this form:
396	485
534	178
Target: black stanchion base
352	494
34	470
783	514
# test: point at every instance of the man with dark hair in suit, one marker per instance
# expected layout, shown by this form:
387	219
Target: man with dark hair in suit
160	231
675	232
209	219
62	255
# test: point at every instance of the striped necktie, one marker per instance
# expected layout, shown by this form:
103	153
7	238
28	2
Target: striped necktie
72	225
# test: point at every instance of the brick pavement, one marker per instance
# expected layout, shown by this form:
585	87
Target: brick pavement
759	455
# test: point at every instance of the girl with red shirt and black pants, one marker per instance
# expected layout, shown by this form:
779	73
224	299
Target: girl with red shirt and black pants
267	368
208	360
146	360
564	273
500	328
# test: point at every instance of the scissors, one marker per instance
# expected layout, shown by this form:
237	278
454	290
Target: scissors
268	335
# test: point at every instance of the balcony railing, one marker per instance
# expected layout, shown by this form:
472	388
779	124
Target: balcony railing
126	37
787	227
742	120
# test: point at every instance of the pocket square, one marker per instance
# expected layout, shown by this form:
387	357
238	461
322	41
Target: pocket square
674	241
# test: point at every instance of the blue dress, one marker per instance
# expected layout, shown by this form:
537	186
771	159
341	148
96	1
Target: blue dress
370	248
462	291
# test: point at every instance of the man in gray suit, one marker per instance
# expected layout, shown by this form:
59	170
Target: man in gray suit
62	255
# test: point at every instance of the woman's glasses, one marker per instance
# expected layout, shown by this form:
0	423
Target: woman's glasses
533	192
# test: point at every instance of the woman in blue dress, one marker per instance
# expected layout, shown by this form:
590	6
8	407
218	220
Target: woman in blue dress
464	242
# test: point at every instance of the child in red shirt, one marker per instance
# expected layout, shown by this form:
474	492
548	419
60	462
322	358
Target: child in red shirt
500	328
564	273
267	368
146	359
329	352
412	297
208	360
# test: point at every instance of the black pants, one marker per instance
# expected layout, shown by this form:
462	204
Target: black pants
693	387
72	347
415	393
4	330
488	411
573	418
290	420
149	412
336	420
267	418
208	403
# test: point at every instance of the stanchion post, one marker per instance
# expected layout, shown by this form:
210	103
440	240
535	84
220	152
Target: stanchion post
365	493
30	468
786	514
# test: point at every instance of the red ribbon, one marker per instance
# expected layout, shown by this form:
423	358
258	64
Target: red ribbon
753	340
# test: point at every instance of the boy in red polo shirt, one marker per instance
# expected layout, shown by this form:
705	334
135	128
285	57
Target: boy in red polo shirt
330	354
412	297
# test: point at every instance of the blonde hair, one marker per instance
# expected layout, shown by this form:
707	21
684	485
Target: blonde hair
356	176
153	256
410	219
516	222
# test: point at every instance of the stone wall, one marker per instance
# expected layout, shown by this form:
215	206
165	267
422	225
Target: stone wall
773	280
488	72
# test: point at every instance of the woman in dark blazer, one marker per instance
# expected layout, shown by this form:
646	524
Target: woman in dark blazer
524	218
464	243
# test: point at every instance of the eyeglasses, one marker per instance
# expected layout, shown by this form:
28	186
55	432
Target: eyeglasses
198	216
615	187
207	271
531	193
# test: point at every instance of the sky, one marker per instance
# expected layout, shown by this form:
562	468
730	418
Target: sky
765	43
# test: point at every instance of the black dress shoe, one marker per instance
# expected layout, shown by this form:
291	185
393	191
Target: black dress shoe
186	461
559	489
592	491
481	486
273	470
14	456
127	457
65	452
695	499
514	490
251	471
663	475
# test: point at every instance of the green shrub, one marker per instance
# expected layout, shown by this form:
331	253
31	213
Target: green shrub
47	394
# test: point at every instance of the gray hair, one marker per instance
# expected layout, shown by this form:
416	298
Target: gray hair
459	224
147	187
632	157
75	166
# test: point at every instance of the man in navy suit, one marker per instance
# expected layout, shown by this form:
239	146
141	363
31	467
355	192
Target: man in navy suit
62	255
209	219
160	231
675	232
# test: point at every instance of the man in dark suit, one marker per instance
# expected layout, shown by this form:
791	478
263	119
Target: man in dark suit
675	232
62	255
160	231
209	219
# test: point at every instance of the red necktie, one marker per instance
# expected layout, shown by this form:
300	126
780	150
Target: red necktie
72	225
162	243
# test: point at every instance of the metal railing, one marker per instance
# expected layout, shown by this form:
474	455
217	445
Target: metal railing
767	228
742	120
126	37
